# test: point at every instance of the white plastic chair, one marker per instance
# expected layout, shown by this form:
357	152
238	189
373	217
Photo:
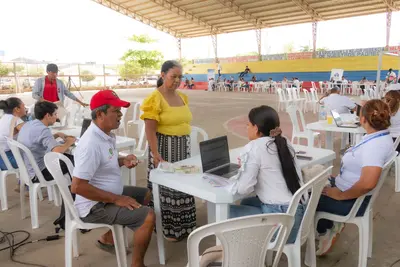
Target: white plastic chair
299	127
72	219
3	177
244	240
282	101
314	99
365	222
141	149
34	188
194	140
396	167
306	231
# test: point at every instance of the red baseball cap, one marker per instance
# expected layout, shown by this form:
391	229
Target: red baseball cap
107	97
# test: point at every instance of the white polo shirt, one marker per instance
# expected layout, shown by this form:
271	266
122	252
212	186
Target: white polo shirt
341	103
373	153
96	160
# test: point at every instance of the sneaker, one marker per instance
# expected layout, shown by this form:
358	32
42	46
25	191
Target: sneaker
327	240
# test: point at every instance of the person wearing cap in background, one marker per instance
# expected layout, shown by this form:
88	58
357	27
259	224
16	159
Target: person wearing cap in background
51	89
101	196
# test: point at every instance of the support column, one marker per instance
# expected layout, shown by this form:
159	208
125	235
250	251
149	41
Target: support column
179	44
215	46
314	35
388	27
258	36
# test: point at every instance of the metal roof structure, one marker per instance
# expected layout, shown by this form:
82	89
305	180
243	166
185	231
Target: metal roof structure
195	18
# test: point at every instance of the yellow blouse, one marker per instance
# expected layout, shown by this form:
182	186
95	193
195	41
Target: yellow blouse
171	120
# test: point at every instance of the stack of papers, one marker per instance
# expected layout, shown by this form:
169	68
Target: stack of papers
171	168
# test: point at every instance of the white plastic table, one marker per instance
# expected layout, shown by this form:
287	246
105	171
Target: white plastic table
218	199
122	142
332	128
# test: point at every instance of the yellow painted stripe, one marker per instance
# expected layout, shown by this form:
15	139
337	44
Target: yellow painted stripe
301	65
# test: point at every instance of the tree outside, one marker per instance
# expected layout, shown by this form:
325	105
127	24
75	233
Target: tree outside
140	61
4	70
87	76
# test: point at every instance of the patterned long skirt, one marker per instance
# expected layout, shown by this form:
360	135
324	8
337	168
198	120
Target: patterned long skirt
178	210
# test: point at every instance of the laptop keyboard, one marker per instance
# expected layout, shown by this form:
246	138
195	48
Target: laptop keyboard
225	170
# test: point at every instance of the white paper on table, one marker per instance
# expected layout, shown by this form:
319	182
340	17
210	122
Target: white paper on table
217	181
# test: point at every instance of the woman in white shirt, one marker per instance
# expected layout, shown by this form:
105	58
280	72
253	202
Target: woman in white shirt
10	124
392	98
360	170
268	168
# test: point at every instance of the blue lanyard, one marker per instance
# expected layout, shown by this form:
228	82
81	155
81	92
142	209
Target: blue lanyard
352	149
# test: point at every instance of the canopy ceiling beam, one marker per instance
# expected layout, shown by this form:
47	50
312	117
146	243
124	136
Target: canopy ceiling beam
391	5
189	16
308	9
124	11
241	12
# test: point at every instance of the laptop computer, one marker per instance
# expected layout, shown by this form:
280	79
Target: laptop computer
215	158
339	122
85	126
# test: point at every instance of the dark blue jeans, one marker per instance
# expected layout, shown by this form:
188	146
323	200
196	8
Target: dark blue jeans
338	207
12	160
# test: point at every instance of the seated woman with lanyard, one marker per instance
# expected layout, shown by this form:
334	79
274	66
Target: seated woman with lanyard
392	98
10	124
268	168
360	170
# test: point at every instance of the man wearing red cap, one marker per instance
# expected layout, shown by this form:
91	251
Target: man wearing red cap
101	196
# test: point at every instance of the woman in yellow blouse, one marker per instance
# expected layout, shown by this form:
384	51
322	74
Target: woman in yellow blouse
167	118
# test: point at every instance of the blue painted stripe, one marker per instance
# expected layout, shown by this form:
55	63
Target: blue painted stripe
303	76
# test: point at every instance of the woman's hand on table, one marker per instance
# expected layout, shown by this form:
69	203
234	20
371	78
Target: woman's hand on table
157	159
332	192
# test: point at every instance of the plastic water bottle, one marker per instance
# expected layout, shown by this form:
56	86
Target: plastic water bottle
322	113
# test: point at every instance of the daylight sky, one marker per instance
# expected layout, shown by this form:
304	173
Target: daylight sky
84	31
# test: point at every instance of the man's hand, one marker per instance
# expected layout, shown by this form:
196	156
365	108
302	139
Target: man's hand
61	135
127	202
332	192
70	140
84	104
130	161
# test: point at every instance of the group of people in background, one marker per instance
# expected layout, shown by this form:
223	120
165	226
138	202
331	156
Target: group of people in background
271	170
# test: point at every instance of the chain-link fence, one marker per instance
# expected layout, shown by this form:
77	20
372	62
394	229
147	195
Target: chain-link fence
21	77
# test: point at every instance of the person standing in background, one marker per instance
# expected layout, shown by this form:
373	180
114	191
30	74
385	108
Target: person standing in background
51	89
167	120
391	77
219	69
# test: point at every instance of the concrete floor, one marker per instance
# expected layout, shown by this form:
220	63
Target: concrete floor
219	114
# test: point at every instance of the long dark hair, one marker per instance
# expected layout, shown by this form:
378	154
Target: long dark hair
166	66
9	104
266	119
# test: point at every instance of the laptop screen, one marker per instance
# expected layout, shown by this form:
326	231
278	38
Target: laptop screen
85	125
214	153
336	117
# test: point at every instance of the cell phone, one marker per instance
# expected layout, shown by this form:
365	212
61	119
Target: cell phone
304	157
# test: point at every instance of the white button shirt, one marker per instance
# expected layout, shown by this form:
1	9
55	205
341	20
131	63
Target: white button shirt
341	103
261	172
373	153
96	160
